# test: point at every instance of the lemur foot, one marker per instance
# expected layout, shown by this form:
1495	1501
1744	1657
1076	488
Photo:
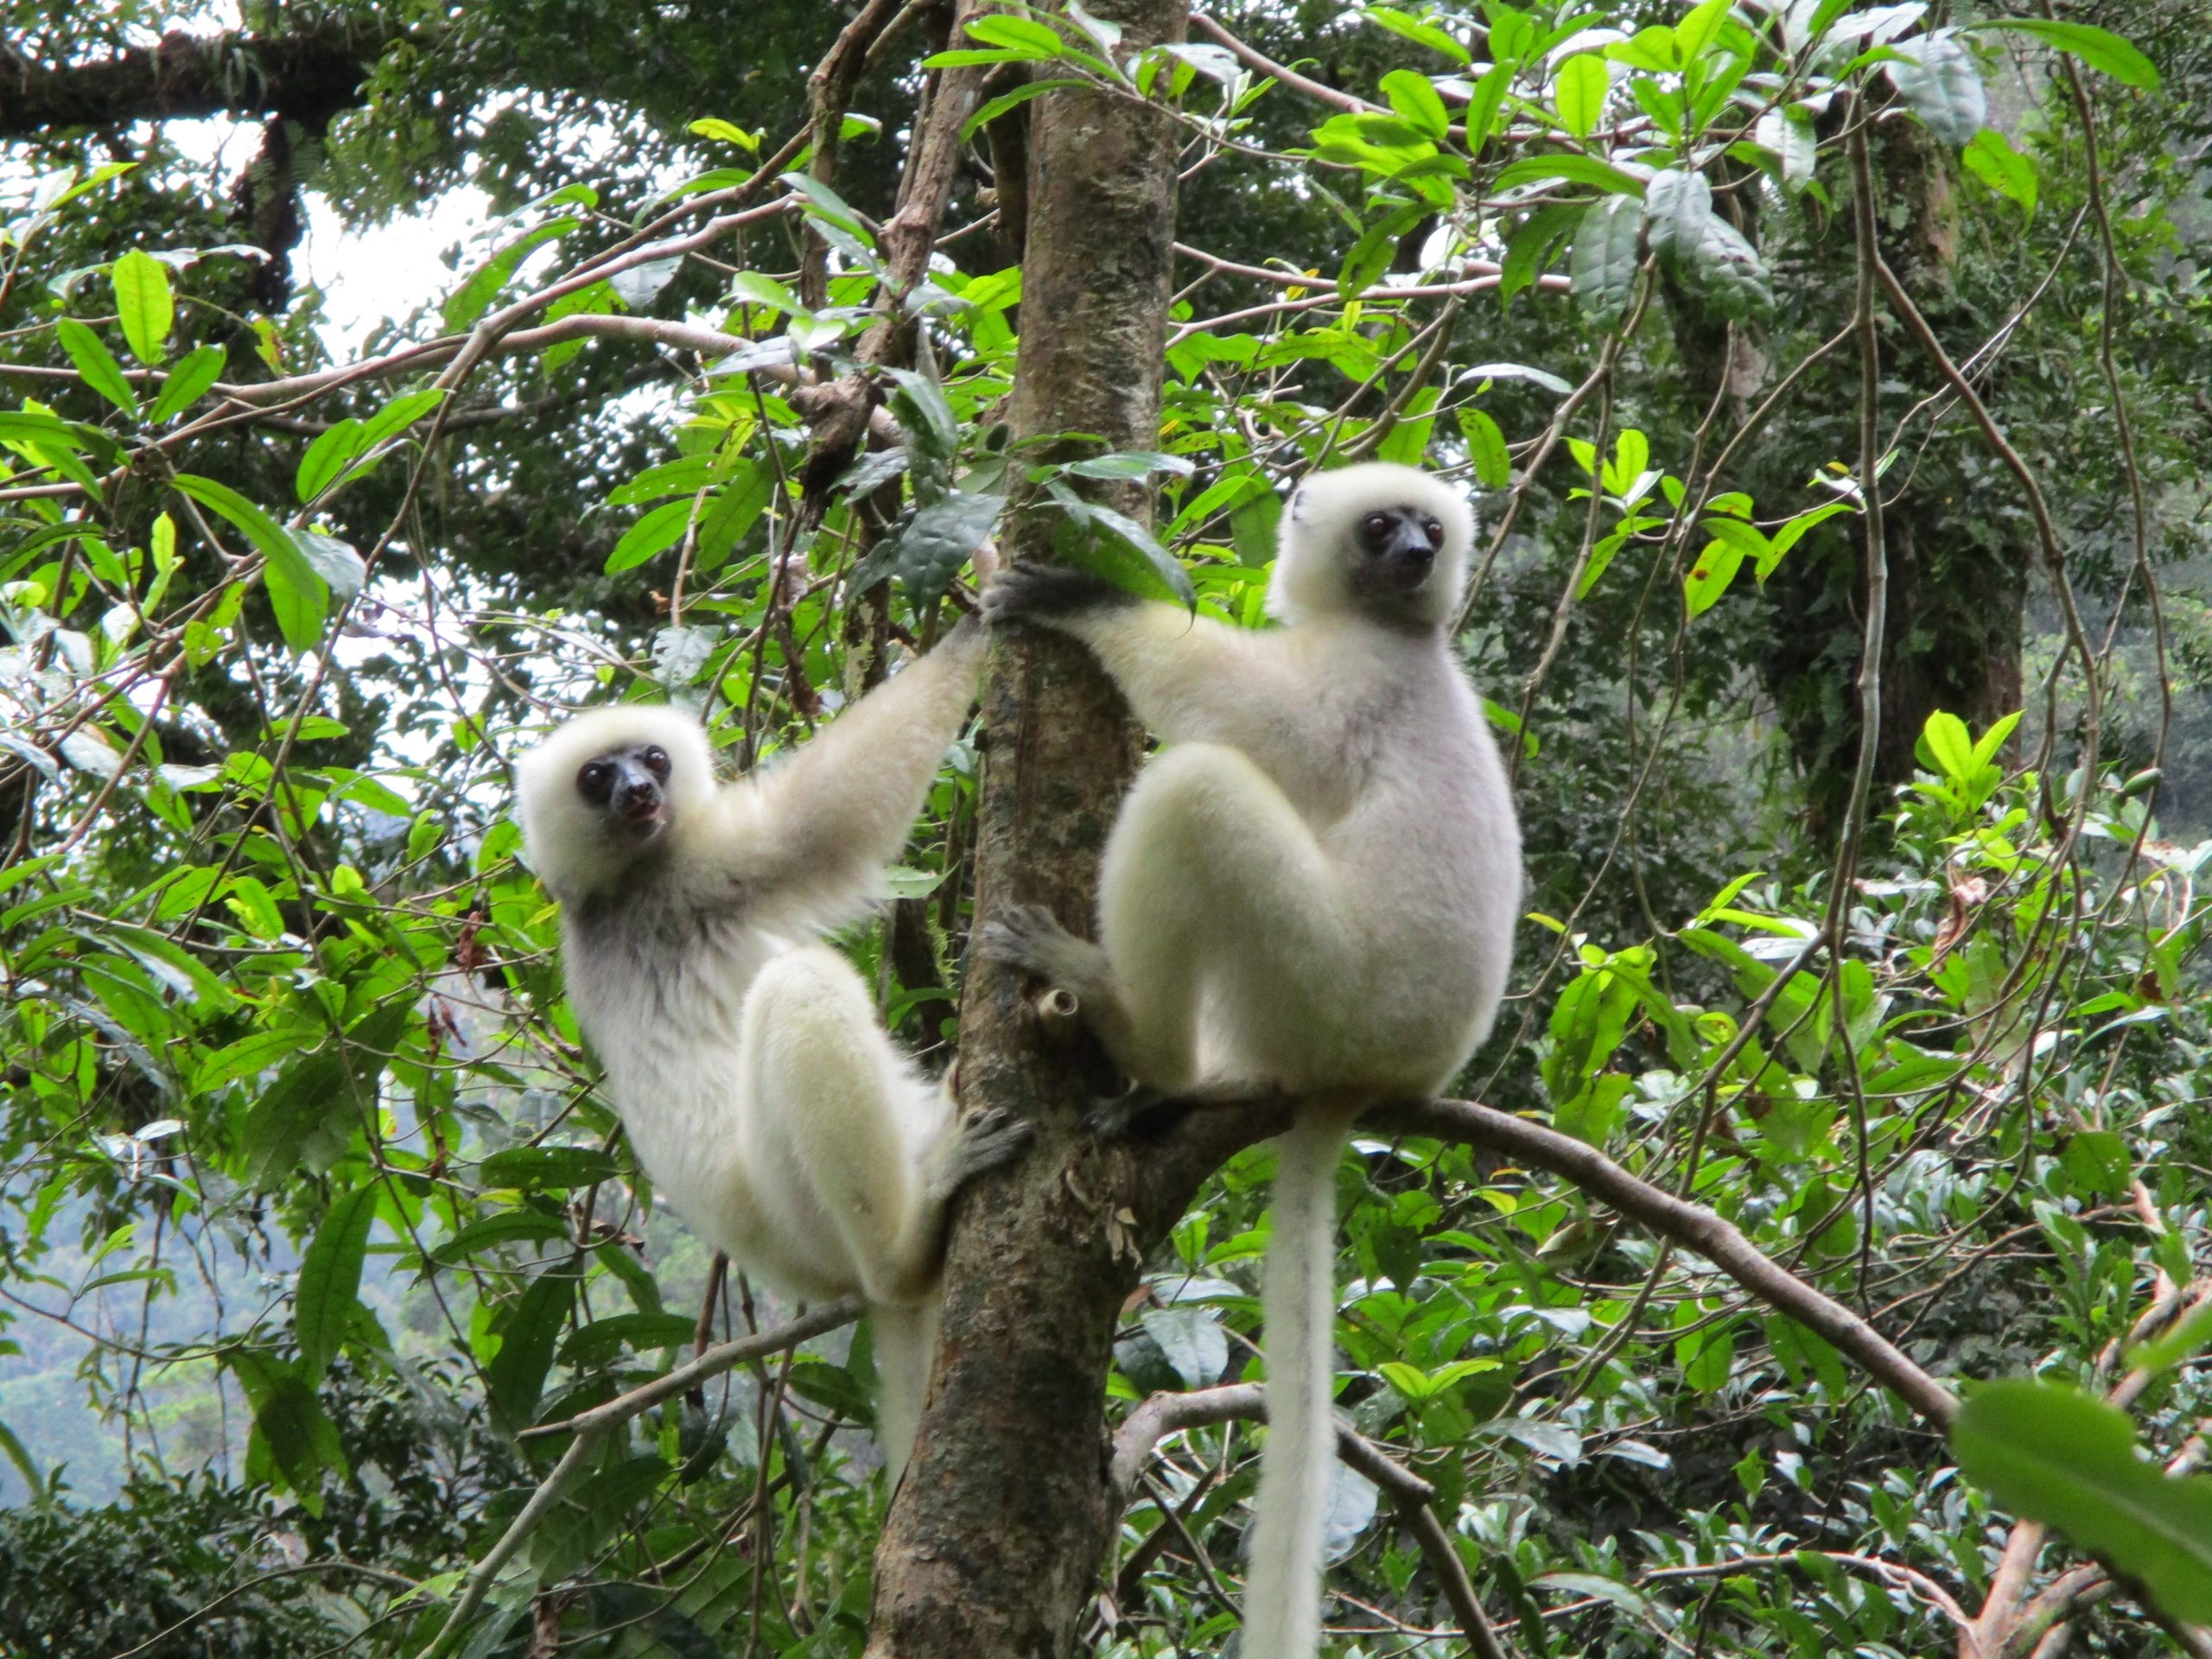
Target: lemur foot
980	1140
1026	936
1124	1114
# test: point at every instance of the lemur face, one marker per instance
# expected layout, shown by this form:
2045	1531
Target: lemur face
1398	548
629	788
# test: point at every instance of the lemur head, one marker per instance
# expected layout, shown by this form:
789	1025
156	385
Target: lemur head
608	790
1388	540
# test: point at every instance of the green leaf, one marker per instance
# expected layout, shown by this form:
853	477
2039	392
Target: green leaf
554	1166
327	457
2097	1161
1573	169
330	1280
1415	98
1192	1340
1677	206
1420	33
1992	159
1711	574
1696	32
1792	531
1023	35
2186	1338
292	1431
1944	742
1578	88
656	533
1486	449
2098	48
1013	100
1789	133
1163	564
97	365
398	415
2057	1456
1939	82
502	1227
527	1339
299	596
1728	272
20	1458
473	298
188	381
1489	98
335	1083
1605	258
603	1340
1705	1357
728	132
143	305
1406	442
933	545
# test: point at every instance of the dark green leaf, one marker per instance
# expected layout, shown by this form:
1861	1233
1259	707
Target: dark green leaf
299	595
1607	253
2098	48
97	365
528	1335
1192	1340
330	1280
546	1167
188	381
2055	1455
602	1339
327	457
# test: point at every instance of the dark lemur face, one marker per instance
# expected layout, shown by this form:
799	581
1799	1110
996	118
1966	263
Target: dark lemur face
1397	549
629	786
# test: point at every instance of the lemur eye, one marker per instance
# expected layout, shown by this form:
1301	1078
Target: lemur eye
1375	524
596	783
1433	530
656	759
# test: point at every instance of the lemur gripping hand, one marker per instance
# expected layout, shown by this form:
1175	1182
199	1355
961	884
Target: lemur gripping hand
1048	595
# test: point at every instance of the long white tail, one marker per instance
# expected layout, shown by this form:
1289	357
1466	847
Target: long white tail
906	1344
1282	1586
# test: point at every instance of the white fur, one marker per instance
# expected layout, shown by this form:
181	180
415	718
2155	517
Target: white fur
757	1087
1315	888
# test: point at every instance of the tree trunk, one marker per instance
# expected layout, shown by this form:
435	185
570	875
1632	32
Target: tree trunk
995	1538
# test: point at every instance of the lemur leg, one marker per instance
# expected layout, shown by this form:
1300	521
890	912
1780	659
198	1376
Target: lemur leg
1212	885
843	1120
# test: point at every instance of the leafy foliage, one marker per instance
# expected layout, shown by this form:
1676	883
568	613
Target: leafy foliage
306	1176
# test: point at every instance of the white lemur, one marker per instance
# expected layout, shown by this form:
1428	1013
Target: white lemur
744	1056
1313	890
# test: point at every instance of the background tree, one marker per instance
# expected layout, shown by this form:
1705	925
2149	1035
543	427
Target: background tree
1825	380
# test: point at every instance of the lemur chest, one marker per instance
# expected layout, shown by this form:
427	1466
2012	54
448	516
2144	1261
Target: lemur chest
647	971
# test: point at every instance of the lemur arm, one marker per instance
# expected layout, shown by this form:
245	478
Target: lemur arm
1188	677
813	830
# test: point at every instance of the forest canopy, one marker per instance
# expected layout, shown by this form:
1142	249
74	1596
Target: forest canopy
1818	1258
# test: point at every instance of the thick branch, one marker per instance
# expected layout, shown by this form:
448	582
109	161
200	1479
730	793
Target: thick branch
309	76
1690	1225
1174	1166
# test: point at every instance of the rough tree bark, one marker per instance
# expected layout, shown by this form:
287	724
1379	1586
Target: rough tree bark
994	1540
